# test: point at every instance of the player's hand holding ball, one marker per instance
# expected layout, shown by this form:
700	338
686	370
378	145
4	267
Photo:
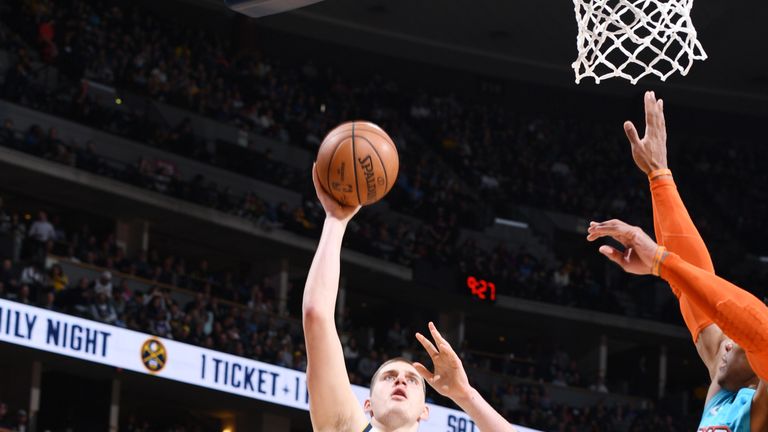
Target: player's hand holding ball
333	209
357	164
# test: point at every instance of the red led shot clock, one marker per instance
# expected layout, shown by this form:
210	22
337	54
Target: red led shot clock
481	288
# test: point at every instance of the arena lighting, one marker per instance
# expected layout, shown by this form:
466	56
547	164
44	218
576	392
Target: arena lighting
260	8
511	223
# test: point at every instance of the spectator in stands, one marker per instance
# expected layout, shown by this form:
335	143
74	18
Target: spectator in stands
19	233
133	310
32	276
57	280
5	220
42	230
9	275
33	140
159	322
24	295
561	278
368	365
300	359
102	310
60	236
40	233
87	159
285	357
120	297
103	284
8	134
121	261
573	376
351	354
141	264
3	294
203	272
510	399
396	338
20	425
49	301
5	423
81	297
17	78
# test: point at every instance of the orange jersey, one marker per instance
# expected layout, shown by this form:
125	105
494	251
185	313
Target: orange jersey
741	316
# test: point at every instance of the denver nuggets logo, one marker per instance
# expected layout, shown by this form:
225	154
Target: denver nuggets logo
153	355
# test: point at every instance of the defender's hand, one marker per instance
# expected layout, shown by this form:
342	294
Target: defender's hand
639	249
650	153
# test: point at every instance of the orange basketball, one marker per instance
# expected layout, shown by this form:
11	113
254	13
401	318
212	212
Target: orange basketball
357	163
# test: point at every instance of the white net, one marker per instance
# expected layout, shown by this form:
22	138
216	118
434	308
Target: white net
634	38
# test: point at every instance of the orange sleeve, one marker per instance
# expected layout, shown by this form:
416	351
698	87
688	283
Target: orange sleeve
741	316
675	230
656	224
675	227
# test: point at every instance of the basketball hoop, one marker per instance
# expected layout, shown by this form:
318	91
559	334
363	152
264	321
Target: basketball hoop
633	38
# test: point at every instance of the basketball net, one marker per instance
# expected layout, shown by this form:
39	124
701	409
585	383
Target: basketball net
634	38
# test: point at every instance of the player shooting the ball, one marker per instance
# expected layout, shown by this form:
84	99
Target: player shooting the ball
397	397
729	325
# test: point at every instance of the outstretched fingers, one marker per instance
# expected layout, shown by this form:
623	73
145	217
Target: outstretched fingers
613	228
428	345
424	372
442	344
615	255
631	131
650	104
652	111
662	119
611	224
656	125
640	253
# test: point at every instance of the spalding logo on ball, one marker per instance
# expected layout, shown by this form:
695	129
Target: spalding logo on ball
357	163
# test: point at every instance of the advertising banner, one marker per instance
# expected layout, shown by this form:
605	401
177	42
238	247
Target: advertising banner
139	352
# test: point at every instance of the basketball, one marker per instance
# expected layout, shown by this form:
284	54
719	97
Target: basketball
357	163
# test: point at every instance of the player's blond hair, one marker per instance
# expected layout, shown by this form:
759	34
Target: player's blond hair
395	360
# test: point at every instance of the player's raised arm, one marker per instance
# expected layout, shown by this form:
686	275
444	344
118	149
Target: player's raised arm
673	225
742	316
332	405
450	380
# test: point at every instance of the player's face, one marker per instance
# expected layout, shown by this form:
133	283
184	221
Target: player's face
397	395
734	371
